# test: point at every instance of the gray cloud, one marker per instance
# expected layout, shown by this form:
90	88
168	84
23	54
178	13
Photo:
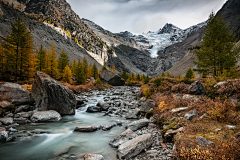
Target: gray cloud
139	16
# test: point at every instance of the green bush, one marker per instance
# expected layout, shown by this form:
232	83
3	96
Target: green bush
149	114
157	82
147	93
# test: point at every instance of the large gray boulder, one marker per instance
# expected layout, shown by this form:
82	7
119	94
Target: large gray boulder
14	93
138	124
46	116
122	138
196	88
135	146
111	78
147	105
49	94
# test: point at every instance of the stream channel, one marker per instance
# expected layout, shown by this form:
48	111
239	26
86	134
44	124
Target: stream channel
63	140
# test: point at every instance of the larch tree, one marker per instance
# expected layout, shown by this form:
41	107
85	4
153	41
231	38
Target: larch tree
218	51
85	67
18	46
79	73
67	74
89	71
94	71
41	58
52	65
62	61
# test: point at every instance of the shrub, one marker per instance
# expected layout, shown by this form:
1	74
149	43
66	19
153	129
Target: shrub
157	82
147	93
149	114
190	74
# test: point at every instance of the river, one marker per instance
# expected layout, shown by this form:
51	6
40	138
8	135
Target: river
62	140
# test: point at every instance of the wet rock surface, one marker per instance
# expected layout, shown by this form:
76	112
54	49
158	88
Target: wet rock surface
50	94
46	116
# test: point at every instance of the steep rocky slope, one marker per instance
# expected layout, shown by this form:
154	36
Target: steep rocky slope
231	13
44	34
128	52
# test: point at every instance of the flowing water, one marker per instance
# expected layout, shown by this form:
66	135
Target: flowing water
62	139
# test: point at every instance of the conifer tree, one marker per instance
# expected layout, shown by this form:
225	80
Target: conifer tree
74	67
85	67
79	73
67	74
104	67
189	74
124	74
17	46
89	75
41	58
51	67
62	61
2	62
218	51
94	71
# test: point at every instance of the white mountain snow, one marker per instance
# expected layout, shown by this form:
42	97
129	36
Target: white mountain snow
164	37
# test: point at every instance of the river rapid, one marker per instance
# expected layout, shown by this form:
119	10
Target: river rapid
61	140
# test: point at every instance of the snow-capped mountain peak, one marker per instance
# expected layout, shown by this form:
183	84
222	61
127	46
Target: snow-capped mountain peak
164	37
169	28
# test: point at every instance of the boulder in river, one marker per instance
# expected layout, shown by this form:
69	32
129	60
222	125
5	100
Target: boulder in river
3	136
122	138
111	78
50	94
135	146
104	106
138	124
45	116
15	93
85	129
93	157
93	109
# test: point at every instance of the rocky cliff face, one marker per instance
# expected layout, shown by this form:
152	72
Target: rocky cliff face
44	34
128	52
60	14
231	13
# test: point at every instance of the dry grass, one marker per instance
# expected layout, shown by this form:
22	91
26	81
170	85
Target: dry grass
86	87
219	114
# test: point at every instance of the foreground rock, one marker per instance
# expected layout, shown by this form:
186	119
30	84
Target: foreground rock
85	129
169	135
93	109
122	138
93	157
196	88
135	146
6	121
3	136
204	142
45	116
138	124
14	93
49	94
147	105
111	78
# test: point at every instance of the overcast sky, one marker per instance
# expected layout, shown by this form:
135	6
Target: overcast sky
139	16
